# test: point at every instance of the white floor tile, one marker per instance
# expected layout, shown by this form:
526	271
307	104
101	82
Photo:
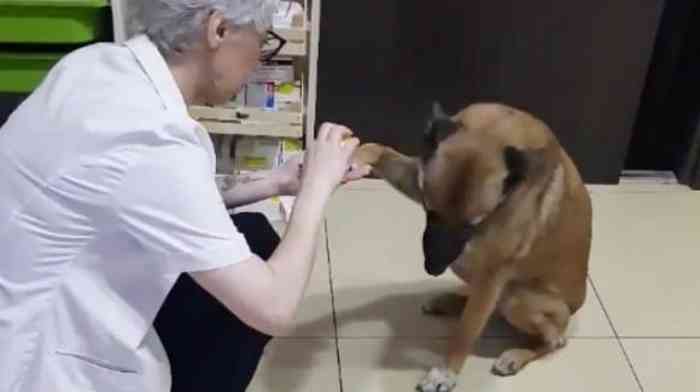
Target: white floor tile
375	365
646	249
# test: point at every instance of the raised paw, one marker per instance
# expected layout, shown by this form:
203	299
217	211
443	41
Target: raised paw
438	380
368	154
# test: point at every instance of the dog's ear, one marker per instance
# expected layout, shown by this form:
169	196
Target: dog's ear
439	112
440	126
525	165
517	162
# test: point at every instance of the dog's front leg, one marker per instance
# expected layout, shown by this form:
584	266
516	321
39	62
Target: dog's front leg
487	289
400	171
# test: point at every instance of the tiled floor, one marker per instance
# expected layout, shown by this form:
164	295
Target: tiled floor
361	328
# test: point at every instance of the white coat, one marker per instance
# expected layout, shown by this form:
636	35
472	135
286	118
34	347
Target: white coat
107	195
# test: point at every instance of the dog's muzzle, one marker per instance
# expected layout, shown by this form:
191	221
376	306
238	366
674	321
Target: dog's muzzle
442	244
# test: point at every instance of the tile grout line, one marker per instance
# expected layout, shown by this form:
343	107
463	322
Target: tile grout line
659	337
504	337
617	336
335	316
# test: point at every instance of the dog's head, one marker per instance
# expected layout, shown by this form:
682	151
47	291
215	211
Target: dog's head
471	164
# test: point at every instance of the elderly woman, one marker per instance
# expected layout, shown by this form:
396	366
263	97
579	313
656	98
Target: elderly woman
109	205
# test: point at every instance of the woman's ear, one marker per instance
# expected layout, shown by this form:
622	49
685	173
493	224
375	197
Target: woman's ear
216	29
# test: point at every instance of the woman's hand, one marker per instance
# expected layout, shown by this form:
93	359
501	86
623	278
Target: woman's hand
328	160
289	176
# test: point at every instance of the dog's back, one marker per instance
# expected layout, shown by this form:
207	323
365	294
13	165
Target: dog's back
558	256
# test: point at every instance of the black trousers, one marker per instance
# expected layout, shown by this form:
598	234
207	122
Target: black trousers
209	348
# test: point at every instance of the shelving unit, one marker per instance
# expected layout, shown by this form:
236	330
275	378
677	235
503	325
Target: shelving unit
232	121
301	48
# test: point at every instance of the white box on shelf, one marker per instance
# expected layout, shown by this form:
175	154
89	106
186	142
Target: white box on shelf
274	97
288	14
278	71
261	95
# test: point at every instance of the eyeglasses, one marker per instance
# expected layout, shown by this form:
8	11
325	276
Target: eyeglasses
272	45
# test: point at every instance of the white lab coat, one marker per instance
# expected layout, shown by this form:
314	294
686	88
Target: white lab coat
107	194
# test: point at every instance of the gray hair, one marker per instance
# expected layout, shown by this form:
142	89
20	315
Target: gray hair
174	24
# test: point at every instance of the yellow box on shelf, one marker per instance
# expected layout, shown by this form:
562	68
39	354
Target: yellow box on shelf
257	153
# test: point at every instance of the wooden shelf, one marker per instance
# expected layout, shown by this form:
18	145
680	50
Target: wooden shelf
249	121
280	130
221	113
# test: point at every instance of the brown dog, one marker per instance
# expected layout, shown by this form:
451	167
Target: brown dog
508	212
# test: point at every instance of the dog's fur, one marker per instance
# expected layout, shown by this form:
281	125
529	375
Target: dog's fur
508	212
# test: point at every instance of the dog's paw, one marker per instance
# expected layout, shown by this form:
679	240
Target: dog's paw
511	362
438	380
368	154
558	343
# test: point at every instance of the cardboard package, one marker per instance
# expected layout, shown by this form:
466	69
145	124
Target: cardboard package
256	153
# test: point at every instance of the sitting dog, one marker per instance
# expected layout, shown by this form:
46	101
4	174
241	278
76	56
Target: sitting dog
508	212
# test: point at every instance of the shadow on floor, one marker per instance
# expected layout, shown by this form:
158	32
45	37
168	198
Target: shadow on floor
401	350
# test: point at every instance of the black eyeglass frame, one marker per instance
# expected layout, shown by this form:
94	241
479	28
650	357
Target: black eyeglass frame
269	54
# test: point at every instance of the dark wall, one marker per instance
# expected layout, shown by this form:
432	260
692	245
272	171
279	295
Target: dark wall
580	66
670	109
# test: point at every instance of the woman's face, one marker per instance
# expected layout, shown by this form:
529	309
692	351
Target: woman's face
233	64
234	53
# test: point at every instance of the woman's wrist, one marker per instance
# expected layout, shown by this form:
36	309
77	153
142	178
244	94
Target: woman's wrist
283	182
317	189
